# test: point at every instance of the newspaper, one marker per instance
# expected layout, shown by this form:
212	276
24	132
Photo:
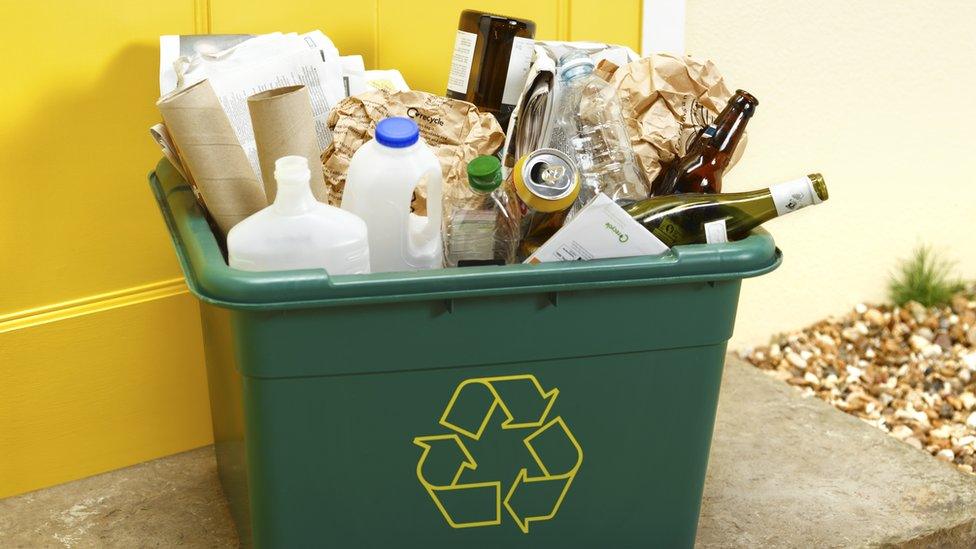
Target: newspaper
259	64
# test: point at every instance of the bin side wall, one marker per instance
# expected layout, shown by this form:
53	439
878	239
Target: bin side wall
224	383
467	332
332	459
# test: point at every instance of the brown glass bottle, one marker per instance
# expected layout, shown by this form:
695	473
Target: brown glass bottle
700	170
492	54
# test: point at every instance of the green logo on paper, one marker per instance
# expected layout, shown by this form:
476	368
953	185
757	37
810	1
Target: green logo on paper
482	413
622	236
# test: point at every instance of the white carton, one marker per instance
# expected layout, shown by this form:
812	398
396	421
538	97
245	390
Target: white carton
601	230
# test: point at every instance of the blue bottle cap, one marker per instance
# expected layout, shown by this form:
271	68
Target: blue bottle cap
397	132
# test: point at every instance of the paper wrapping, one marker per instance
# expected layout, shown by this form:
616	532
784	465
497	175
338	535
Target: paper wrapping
283	125
455	130
667	99
206	142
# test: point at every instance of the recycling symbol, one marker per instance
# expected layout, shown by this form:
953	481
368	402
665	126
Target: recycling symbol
548	452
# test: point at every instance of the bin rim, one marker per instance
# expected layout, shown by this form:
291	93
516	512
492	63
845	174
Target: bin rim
211	280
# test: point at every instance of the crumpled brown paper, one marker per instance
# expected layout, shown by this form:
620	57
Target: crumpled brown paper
667	99
455	130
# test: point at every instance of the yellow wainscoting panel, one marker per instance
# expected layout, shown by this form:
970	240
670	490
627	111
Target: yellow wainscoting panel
99	391
80	82
418	37
351	25
613	21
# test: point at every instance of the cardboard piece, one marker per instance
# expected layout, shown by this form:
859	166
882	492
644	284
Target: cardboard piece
208	146
284	125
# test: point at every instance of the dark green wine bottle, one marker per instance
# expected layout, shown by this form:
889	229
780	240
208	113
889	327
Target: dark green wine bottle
689	218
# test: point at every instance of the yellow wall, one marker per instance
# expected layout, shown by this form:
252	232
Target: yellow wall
100	352
877	95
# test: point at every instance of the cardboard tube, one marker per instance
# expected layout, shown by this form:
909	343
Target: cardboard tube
283	126
212	154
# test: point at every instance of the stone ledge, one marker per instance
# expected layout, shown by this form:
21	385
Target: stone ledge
793	471
784	472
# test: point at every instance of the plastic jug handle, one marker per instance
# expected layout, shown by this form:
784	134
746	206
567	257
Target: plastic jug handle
435	196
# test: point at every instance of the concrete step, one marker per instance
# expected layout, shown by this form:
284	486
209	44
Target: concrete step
784	472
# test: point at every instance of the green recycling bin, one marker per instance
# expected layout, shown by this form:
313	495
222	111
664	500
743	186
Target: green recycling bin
526	406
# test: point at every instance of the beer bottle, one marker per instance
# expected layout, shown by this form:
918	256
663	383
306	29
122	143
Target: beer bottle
693	218
700	169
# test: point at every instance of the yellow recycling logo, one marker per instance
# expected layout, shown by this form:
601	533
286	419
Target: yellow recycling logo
538	488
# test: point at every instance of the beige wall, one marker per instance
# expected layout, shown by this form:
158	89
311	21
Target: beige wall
878	96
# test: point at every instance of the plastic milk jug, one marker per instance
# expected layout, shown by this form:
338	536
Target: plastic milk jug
382	176
299	232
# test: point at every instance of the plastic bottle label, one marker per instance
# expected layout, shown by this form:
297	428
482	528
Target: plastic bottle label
518	69
464	44
790	196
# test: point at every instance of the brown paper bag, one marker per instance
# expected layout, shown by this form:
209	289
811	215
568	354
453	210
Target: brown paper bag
212	154
283	126
667	99
455	130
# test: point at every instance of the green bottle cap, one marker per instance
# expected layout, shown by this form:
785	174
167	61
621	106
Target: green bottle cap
485	173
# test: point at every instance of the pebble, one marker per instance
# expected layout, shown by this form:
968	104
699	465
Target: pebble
796	360
902	432
910	371
874	317
917	311
931	351
918	342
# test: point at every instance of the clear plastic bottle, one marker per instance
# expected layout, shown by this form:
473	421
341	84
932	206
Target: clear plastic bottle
589	126
297	231
483	230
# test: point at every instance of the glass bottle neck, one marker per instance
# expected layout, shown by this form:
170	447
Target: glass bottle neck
729	130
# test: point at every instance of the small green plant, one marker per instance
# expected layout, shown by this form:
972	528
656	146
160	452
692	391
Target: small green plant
926	278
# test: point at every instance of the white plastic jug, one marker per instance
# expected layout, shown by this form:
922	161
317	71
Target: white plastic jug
382	176
299	232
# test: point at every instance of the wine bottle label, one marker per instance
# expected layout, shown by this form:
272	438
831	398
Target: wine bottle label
790	196
716	232
518	69
464	44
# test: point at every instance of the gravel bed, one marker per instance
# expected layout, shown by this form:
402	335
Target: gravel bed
909	371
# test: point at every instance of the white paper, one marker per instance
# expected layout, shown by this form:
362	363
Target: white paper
519	62
162	138
389	80
601	230
323	80
255	64
353	74
464	44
